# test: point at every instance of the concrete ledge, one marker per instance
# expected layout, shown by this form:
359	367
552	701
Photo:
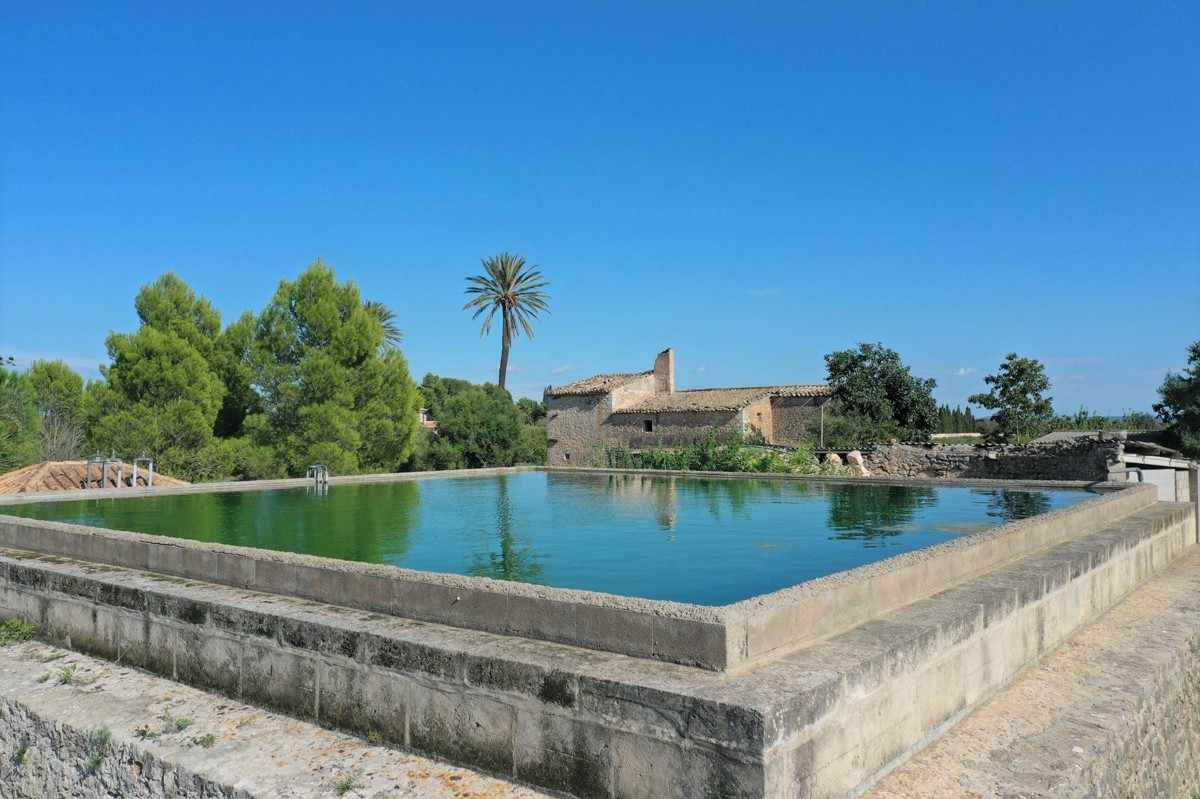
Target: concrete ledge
1113	713
822	721
719	638
93	737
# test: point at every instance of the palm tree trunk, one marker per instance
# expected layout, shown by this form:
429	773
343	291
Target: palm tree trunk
504	354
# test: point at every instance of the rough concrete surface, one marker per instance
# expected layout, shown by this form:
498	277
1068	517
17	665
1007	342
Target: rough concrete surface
53	742
1114	713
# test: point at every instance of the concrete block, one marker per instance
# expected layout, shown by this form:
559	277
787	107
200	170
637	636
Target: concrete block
690	642
616	630
240	620
563	753
165	558
413	657
320	637
466	727
546	685
386	698
208	659
282	680
341	701
180	607
547	619
645	766
159	655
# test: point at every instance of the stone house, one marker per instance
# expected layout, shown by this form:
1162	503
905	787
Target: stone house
643	409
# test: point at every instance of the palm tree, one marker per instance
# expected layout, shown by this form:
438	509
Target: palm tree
387	318
514	290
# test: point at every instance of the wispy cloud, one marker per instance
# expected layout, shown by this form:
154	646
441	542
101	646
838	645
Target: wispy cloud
770	292
964	371
558	370
701	370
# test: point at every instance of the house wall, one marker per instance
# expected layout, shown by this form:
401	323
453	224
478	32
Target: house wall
634	393
671	429
758	419
572	425
573	422
790	417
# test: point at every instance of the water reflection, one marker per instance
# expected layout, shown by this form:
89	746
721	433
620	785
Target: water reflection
515	561
341	524
873	514
1013	505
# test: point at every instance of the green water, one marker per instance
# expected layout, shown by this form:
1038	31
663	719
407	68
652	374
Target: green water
708	542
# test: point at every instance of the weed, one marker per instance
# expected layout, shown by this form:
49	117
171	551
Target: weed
98	744
345	785
374	737
44	677
147	734
100	738
54	656
173	724
207	740
14	631
19	755
66	674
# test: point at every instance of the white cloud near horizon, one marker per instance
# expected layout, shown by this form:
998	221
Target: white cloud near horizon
560	369
964	371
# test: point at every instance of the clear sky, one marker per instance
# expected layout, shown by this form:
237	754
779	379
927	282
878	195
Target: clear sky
754	185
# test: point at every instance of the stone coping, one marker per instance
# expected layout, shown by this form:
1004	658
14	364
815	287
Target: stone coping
716	638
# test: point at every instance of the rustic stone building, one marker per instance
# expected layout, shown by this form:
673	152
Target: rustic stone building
643	409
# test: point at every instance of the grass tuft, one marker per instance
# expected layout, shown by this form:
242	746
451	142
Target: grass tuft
14	631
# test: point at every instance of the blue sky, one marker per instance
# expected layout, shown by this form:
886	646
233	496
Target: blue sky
754	185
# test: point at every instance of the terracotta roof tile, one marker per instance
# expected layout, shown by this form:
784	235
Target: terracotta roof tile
721	399
71	476
600	384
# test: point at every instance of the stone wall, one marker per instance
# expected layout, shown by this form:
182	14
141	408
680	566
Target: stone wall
574	421
571	425
1085	458
790	418
670	428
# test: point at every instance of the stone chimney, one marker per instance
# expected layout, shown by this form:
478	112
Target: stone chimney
664	372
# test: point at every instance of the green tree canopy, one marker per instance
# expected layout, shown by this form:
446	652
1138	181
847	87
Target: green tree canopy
513	289
160	397
169	305
59	392
162	390
20	424
330	392
436	391
1020	410
1180	405
878	397
483	424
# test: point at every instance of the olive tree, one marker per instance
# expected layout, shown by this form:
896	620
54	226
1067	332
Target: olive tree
1020	410
876	397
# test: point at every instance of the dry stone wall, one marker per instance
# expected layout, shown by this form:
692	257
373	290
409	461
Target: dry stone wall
1084	458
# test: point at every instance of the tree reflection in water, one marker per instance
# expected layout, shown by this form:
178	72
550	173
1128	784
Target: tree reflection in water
516	561
873	514
1013	505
